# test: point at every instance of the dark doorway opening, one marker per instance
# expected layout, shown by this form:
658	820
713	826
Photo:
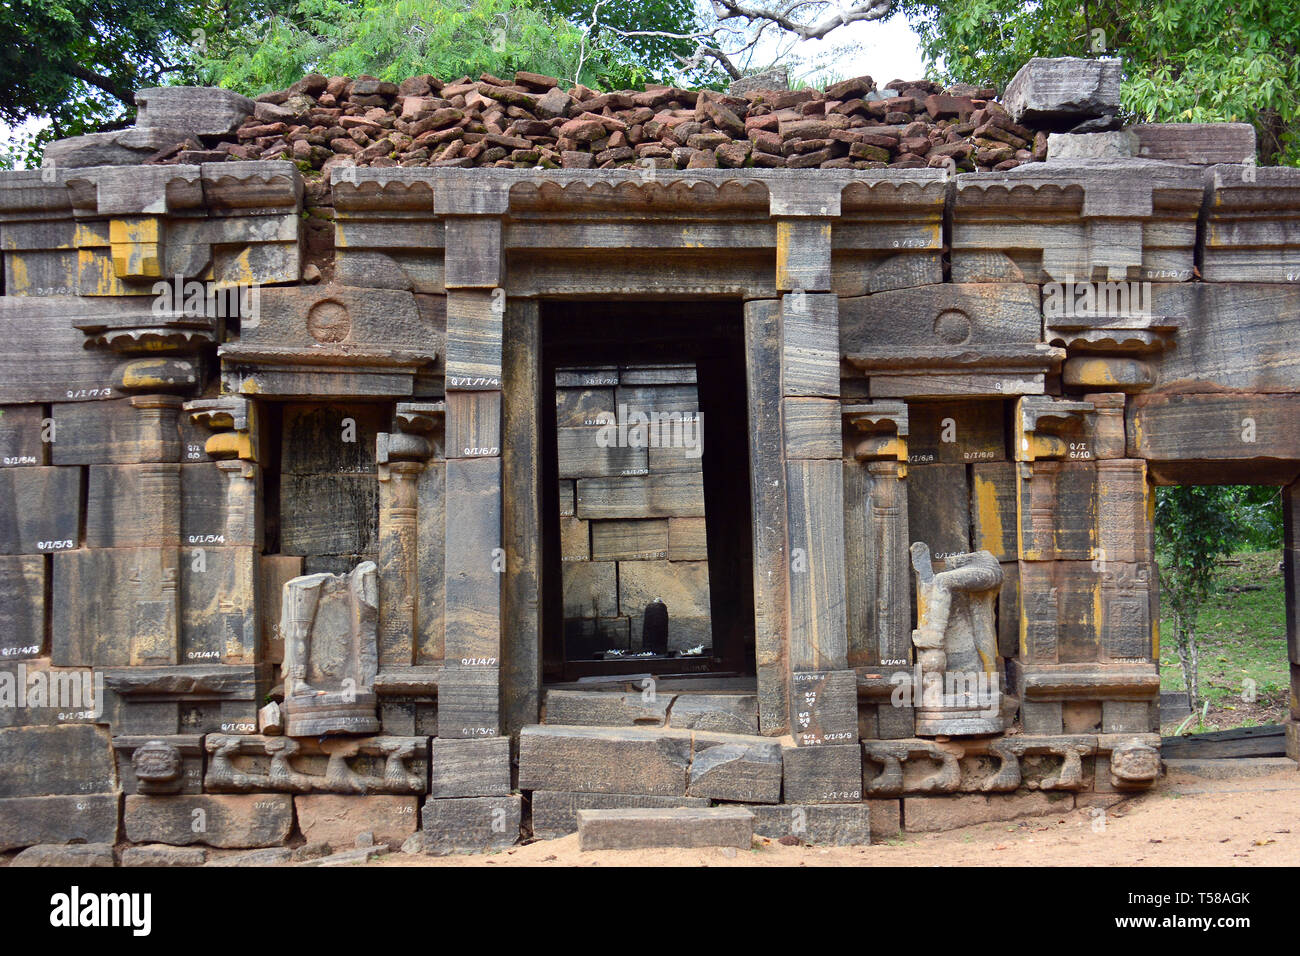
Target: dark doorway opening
645	490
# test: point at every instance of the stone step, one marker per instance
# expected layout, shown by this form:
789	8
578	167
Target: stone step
652	707
642	828
656	761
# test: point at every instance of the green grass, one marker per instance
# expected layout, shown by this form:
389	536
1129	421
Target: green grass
1242	635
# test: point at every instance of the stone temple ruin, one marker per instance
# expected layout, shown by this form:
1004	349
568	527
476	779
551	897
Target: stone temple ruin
807	466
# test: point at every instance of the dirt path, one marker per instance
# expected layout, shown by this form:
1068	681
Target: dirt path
1188	822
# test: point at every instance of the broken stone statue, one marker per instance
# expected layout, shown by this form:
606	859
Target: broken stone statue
959	693
331	656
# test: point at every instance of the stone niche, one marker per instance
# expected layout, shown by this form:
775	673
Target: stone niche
331	656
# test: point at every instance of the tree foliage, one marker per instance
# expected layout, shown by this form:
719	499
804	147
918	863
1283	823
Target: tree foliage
1195	527
1184	60
396	39
80	62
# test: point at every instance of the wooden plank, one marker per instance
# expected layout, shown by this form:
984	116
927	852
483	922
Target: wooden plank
682	457
687	539
968	432
566	498
602	377
767	482
818	630
473	424
474	320
652	496
642	540
658	375
593	453
651	400
812	428
810	338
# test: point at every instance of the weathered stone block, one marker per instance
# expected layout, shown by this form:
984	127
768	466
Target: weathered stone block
22	436
40	509
203	110
1112	144
42	761
640	828
744	770
1062	91
339	819
575	708
470	768
555	812
722	713
22	606
79	855
830	773
928	814
825	707
604	760
86	818
470	824
163	855
1201	144
829	824
228	821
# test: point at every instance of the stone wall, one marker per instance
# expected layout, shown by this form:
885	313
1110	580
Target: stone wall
1001	361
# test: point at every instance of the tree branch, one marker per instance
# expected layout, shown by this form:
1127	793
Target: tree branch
861	11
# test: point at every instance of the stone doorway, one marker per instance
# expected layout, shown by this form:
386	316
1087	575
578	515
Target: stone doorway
646	522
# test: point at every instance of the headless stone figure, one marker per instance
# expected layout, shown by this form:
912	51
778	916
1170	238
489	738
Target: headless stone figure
331	653
956	643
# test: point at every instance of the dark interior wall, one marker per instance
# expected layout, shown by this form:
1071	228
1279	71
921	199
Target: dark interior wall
708	334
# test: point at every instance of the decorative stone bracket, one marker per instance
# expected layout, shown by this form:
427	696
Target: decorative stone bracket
1044	424
877	432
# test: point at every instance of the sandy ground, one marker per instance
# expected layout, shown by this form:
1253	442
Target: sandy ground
1189	821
